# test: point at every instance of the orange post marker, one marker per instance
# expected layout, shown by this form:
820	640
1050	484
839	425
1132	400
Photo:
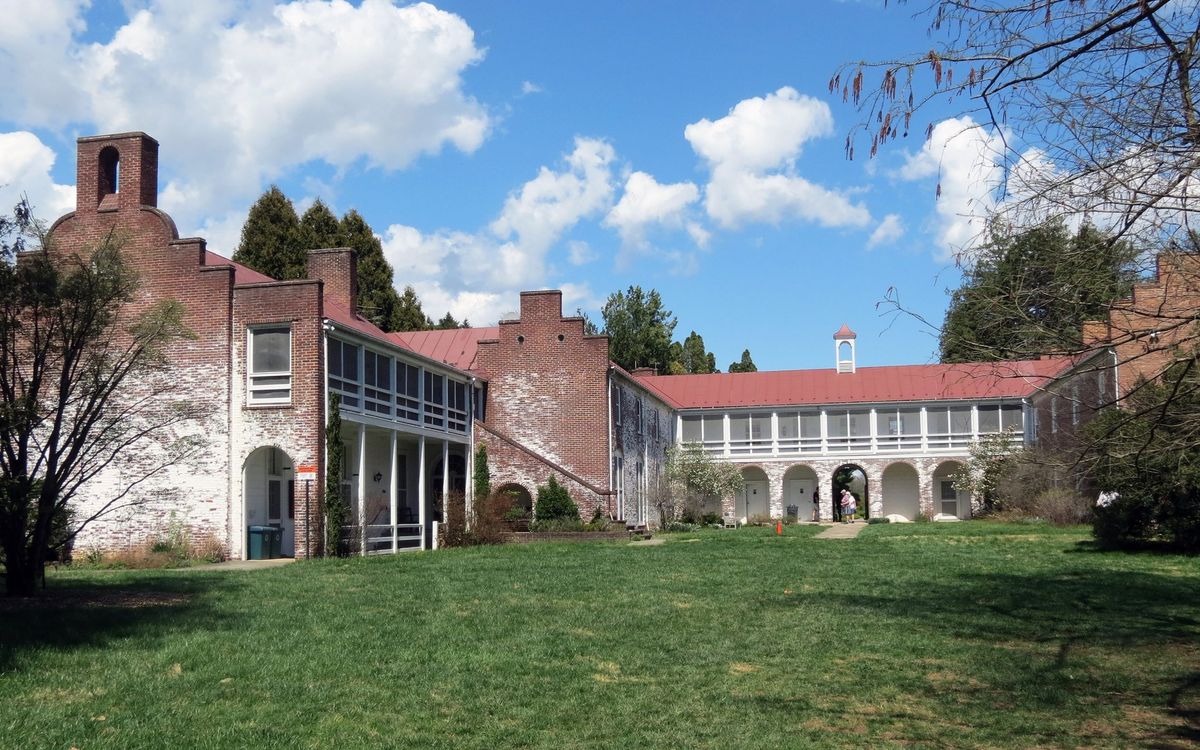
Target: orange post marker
779	528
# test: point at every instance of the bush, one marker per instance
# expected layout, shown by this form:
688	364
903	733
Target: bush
1142	519
712	519
177	547
1061	507
557	524
878	520
554	502
760	519
454	531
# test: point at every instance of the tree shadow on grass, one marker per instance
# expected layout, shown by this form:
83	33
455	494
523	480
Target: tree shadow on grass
1048	639
89	614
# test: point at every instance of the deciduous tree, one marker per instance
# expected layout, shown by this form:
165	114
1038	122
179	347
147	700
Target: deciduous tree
71	345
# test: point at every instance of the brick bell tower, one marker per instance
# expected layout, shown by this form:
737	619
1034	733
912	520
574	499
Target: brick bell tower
115	173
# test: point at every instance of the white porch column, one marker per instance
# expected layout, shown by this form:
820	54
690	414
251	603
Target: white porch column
421	487
874	432
393	491
445	487
924	430
774	433
725	432
362	489
824	431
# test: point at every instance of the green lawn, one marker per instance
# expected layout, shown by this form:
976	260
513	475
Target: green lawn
930	635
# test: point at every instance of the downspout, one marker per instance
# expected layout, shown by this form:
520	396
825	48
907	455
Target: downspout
608	419
324	453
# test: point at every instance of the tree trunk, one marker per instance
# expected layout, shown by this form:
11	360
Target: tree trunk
20	575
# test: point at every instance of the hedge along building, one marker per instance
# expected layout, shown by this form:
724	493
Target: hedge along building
264	358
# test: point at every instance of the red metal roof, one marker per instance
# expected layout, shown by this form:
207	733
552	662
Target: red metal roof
866	385
454	346
845	333
241	274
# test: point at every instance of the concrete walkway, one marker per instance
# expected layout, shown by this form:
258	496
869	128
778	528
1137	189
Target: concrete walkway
842	531
250	564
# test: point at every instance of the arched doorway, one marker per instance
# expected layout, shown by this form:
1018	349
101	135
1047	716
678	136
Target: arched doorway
519	497
901	491
755	499
269	495
799	484
948	500
851	477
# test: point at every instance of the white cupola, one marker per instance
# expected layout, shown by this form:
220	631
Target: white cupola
843	348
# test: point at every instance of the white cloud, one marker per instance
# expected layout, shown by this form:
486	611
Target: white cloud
646	203
751	153
966	158
580	253
529	87
888	231
479	274
699	234
240	92
25	164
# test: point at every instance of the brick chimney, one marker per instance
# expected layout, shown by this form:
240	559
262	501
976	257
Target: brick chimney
338	268
116	172
541	305
644	372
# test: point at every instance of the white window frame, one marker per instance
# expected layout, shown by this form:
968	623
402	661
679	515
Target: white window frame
251	386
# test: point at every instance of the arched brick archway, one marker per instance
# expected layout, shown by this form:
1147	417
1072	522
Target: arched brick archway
901	490
269	495
799	483
948	500
521	497
851	476
755	497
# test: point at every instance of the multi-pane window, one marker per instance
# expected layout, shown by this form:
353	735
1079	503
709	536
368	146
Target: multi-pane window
638	415
270	365
708	430
849	430
750	433
896	429
618	483
408	391
343	372
435	400
377	383
800	432
616	404
949	427
994	419
456	409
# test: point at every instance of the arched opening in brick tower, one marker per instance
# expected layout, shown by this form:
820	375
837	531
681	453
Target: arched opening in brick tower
269	498
108	173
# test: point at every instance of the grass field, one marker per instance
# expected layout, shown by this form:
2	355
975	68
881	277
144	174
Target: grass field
927	635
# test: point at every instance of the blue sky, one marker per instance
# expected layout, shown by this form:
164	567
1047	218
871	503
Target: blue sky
690	147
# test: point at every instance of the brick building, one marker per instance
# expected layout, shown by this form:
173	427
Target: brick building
540	393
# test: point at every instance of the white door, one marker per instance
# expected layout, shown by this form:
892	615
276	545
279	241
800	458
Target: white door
754	499
799	494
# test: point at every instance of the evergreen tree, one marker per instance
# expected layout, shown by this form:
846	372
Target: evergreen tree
377	297
335	508
447	322
691	357
639	329
271	238
319	228
408	315
745	365
1028	293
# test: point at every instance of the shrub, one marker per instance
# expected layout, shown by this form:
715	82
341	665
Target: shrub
489	525
711	519
554	502
1061	506
760	519
557	524
454	531
1139	519
878	520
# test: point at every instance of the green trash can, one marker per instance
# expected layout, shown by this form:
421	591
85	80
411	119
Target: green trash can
260	542
274	542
